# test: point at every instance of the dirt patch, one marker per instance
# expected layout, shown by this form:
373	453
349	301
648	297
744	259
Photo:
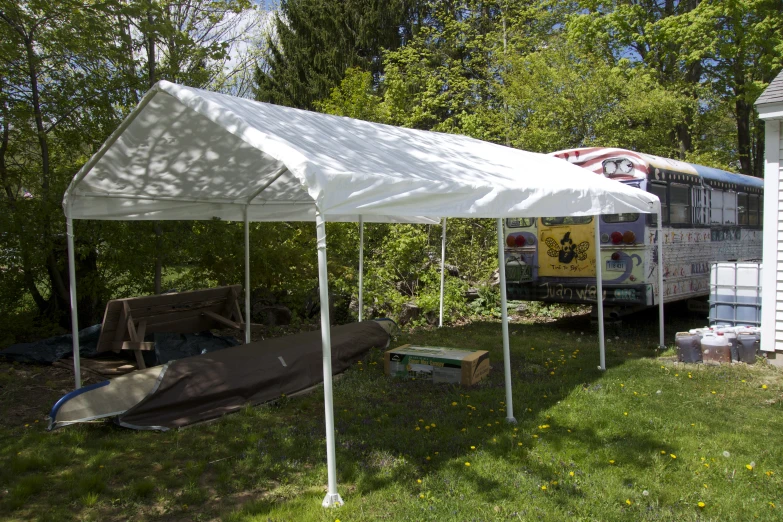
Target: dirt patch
28	391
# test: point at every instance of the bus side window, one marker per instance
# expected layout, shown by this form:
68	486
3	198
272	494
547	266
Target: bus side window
659	189
742	208
761	210
716	207
680	204
753	210
729	208
701	205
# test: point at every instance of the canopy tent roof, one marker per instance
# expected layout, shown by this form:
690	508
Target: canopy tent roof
185	153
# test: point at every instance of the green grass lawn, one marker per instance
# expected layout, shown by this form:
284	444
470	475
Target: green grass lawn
649	439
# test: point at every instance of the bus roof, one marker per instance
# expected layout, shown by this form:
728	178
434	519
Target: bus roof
712	174
644	165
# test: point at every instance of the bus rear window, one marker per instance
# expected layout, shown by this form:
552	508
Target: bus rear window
520	222
568	220
621	218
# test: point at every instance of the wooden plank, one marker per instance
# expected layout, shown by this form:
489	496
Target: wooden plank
238	314
222	320
135	345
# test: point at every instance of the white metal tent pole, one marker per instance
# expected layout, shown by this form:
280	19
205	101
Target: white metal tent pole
77	371
504	319
247	277
361	268
660	277
332	498
442	273
599	295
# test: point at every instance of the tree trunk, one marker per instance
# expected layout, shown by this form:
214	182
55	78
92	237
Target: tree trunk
158	258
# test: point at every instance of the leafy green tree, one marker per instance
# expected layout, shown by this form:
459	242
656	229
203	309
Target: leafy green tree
719	53
738	45
559	99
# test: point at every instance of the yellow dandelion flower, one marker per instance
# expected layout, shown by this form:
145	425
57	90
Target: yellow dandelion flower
453	403
705	486
701	504
663	452
628	501
464	429
749	467
622	385
421	420
570	473
772	504
714	392
433	424
418	481
535	436
429	458
625	413
473	447
763	386
421	496
519	443
426	427
611	462
554	483
417	429
769	473
543	488
706	465
672	455
467	464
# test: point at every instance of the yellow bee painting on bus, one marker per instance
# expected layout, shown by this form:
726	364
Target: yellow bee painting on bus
566	251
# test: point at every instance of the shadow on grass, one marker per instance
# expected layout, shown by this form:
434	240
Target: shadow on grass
390	434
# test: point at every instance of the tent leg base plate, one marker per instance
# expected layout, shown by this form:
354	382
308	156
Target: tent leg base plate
332	500
511	420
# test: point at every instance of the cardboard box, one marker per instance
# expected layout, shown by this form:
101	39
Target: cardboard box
437	364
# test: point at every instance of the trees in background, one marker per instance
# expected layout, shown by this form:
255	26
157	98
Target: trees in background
316	41
69	72
669	77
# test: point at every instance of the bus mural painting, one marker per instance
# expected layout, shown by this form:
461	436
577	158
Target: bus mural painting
708	215
566	252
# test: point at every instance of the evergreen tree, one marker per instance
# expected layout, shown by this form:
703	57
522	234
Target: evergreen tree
316	41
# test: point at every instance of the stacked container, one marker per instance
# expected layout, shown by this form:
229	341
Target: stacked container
735	294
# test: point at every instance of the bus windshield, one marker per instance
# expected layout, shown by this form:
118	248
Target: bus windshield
568	220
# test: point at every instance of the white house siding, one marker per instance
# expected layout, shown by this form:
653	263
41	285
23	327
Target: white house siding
772	293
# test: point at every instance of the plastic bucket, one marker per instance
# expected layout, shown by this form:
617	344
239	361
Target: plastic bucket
688	347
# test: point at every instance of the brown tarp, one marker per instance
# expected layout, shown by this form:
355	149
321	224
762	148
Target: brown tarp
210	385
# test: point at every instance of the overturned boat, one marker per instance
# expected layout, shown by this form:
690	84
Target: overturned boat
207	386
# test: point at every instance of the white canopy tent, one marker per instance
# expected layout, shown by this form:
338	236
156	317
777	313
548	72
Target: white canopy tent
189	154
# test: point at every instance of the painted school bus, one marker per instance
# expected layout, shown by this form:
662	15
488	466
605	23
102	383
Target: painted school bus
708	215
